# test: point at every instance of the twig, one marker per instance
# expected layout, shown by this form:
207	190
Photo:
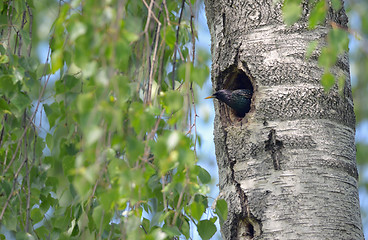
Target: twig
178	206
31	119
163	193
191	84
20	35
167	13
176	44
152	63
28	177
10	19
30	29
3	128
13	188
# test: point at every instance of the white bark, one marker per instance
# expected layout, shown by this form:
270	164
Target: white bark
287	169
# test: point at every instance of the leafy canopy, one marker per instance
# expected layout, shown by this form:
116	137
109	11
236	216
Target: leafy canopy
98	140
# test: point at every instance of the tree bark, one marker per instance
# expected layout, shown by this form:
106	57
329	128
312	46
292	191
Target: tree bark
287	169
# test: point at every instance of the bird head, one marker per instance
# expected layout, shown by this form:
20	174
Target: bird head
221	95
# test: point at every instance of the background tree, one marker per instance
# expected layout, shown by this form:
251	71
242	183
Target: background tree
287	170
98	139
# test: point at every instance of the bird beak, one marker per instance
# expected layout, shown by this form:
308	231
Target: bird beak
210	97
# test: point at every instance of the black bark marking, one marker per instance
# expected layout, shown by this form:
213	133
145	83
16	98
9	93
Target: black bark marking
223	23
274	146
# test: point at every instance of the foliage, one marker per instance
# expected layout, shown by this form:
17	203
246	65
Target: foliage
118	91
337	39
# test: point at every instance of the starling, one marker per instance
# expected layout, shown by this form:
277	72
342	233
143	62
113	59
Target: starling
238	99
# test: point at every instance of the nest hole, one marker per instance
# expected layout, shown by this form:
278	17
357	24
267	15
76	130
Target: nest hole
237	79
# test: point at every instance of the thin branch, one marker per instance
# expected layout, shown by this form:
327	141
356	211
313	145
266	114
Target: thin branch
191	84
178	205
149	8
167	13
31	119
28	177
18	33
151	63
30	29
3	128
148	52
176	44
13	189
163	193
10	20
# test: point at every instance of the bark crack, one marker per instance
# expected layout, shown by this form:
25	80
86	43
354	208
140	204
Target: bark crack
274	146
244	225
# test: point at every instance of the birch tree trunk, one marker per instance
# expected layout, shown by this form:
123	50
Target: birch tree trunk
287	169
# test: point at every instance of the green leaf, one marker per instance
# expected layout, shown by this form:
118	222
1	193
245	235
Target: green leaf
203	175
199	75
172	231
82	186
197	210
109	198
158	234
21	101
327	81
135	148
6	85
4	107
93	135
170	37
206	229
97	215
310	49
122	53
24	236
42	232
85	103
76	29
338	40
318	14
292	11
52	112
336	4
10	221
221	209
4	59
173	101
327	58
36	215
56	60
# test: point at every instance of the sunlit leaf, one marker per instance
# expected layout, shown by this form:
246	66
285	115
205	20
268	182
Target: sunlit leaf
310	49
327	81
56	60
291	11
318	14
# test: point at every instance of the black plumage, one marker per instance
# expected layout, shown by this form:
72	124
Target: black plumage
238	99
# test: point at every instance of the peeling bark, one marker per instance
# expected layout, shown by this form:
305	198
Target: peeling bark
287	169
